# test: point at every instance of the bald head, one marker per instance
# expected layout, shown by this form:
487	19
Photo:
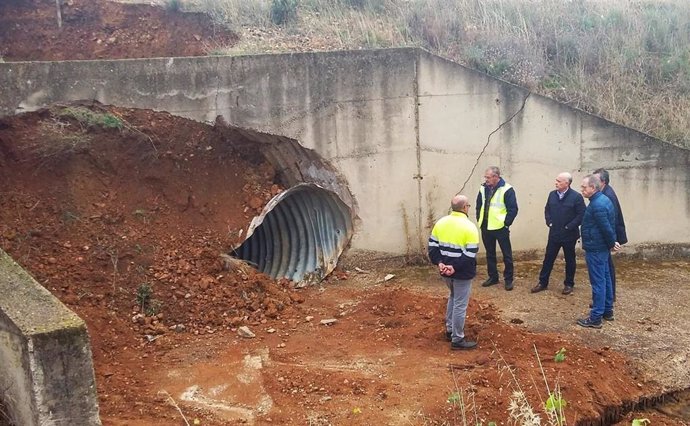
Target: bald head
458	203
566	176
563	181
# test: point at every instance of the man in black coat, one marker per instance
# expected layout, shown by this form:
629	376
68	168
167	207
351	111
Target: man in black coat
563	214
621	234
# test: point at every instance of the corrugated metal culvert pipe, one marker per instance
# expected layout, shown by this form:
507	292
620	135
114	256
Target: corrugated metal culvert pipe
299	235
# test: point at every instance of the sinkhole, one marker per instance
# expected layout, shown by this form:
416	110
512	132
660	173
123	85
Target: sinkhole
299	235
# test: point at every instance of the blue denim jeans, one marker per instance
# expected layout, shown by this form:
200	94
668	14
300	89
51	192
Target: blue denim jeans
602	287
457	307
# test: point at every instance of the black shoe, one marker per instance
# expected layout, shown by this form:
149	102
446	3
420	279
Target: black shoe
509	285
463	344
588	323
449	336
537	288
567	289
489	282
608	317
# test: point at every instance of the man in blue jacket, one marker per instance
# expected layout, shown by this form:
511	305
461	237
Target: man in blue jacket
453	247
563	214
496	210
621	234
598	239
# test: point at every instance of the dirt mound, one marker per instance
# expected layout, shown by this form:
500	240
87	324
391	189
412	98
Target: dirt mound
132	211
98	29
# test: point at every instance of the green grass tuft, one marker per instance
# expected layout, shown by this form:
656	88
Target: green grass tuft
89	118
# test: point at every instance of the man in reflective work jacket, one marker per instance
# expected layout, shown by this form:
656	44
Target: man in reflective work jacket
453	247
494	218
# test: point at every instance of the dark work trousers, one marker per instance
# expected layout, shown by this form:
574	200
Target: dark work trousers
613	276
552	248
489	239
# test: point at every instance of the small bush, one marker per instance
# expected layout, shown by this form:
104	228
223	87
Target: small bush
173	5
144	293
283	11
148	305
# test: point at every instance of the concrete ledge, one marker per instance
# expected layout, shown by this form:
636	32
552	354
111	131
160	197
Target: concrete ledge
46	369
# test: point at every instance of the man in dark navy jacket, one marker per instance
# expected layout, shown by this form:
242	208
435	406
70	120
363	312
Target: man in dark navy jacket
563	214
598	239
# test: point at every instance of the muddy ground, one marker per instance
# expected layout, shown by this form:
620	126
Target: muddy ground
126	224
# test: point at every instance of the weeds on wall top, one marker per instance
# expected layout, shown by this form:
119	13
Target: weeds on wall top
627	60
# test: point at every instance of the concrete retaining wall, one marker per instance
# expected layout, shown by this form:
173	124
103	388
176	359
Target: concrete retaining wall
459	108
404	127
46	372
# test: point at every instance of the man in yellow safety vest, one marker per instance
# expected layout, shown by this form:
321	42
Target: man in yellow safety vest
453	247
496	210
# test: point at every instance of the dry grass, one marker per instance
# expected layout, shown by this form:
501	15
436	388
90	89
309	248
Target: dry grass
626	60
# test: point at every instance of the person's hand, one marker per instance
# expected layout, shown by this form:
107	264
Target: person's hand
616	247
446	270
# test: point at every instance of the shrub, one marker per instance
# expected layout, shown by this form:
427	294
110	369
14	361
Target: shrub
173	5
283	11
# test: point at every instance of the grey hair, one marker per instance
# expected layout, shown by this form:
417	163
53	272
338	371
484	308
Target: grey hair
494	170
603	175
594	181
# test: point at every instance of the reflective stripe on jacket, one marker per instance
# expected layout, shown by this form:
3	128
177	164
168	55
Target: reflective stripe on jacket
497	208
454	241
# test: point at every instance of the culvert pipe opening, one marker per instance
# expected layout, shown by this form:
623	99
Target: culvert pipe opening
300	234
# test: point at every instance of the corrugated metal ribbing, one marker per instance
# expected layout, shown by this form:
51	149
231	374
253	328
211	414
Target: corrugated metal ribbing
299	235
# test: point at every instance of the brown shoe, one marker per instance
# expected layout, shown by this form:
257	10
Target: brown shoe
537	288
567	289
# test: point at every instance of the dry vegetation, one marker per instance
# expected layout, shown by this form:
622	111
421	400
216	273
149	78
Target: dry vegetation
626	60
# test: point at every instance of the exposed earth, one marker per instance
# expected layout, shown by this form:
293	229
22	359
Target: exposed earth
99	29
124	216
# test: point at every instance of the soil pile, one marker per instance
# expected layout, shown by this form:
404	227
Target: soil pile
102	29
132	211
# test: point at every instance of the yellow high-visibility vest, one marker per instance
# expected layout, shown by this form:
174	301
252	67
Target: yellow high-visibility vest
455	236
497	208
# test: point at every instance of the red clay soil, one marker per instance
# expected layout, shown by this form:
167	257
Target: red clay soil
100	215
98	29
97	213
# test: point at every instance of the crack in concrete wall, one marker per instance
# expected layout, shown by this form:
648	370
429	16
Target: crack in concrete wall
488	140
